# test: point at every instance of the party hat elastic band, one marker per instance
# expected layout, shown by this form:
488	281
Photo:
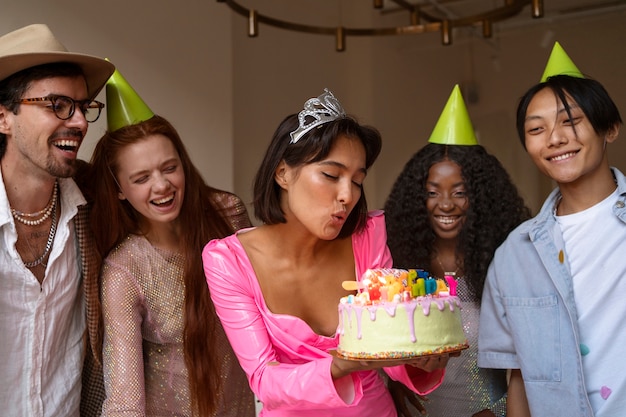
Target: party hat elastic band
124	106
454	126
560	63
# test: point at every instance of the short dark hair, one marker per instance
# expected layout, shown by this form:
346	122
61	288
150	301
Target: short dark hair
12	88
588	93
314	146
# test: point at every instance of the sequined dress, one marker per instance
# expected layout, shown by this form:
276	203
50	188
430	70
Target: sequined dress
143	297
142	303
468	389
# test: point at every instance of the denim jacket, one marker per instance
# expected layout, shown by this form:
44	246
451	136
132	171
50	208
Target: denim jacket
528	315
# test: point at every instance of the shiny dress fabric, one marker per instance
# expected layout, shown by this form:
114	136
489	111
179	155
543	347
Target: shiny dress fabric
288	365
144	366
468	389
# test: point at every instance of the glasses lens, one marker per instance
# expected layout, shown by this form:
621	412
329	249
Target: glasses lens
92	111
63	107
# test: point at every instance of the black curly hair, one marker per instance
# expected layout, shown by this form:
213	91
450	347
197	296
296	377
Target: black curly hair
495	208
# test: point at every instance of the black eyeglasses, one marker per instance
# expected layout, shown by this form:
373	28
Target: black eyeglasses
63	107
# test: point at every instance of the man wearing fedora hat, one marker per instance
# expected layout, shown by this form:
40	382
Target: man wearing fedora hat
48	266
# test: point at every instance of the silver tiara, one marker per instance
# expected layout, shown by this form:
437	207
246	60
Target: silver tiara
322	109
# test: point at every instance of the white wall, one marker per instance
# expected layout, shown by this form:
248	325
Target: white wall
400	84
177	55
501	71
194	64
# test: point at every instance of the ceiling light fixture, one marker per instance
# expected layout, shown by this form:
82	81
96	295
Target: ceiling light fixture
420	21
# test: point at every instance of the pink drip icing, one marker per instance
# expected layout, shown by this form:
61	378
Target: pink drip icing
390	308
358	311
340	325
453	302
372	311
410	312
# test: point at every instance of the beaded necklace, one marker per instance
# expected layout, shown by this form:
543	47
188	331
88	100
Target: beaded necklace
26	218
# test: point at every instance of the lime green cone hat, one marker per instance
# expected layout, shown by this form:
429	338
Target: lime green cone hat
124	106
454	126
560	63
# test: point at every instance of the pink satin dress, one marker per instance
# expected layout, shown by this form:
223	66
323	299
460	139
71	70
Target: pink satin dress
287	364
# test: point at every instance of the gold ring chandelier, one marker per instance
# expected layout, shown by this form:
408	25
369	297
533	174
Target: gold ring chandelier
419	21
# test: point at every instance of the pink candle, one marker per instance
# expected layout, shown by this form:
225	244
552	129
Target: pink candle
451	283
383	293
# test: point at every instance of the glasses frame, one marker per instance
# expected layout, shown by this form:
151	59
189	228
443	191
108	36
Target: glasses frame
82	104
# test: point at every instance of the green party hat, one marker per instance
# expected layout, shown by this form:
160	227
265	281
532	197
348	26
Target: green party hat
124	106
560	63
454	126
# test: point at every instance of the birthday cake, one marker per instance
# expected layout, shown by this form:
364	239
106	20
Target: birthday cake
399	313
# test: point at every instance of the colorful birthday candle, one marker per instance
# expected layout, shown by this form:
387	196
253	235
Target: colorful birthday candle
419	288
451	283
383	293
441	286
431	285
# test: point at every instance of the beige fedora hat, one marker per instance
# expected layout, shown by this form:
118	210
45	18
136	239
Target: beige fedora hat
36	44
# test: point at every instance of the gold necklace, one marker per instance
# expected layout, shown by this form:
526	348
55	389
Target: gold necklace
444	269
53	229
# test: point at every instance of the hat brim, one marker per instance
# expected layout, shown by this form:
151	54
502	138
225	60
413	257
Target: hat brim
96	70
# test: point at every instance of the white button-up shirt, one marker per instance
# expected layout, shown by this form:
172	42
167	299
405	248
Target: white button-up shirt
41	325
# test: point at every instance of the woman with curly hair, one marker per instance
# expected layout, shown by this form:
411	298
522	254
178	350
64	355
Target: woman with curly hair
448	211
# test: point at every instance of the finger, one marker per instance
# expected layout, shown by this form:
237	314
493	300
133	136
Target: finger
416	401
402	410
443	360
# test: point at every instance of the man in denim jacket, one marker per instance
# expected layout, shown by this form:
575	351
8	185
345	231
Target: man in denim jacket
552	307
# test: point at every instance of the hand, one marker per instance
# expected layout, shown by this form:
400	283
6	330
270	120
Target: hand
342	367
401	394
431	362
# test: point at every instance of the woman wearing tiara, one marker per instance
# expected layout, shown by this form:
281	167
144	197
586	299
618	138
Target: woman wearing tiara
451	206
276	287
